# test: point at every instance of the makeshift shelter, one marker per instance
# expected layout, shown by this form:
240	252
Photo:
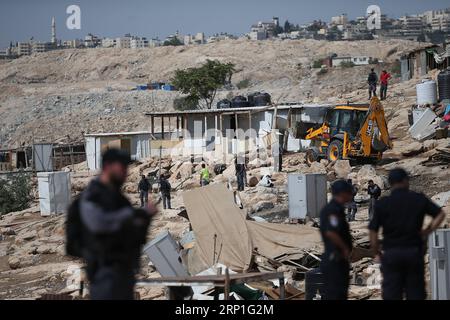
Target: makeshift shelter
229	131
136	144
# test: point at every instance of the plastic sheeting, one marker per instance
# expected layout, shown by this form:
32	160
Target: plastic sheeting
220	227
214	215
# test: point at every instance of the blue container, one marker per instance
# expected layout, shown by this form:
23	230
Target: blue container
168	87
155	86
143	87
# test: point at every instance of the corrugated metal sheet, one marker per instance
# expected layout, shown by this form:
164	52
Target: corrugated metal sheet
231	110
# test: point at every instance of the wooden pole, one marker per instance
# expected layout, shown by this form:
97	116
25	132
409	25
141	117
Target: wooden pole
170	130
282	289
162	127
71	156
152	125
227	285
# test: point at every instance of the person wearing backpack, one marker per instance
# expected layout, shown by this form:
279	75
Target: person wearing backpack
104	229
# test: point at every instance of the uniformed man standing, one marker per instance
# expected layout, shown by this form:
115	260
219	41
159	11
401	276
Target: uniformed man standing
401	216
374	192
335	232
107	232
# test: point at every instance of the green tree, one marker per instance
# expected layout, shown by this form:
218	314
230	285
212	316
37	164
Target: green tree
287	27
15	193
203	82
173	42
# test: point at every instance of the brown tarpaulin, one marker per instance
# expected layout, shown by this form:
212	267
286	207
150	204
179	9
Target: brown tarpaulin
212	211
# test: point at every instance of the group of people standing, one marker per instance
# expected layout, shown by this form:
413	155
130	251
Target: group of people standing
165	188
401	252
372	80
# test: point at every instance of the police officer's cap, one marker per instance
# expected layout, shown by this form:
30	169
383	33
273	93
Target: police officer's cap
114	156
341	186
397	175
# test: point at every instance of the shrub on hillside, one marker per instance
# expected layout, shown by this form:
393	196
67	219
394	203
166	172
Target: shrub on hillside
15	193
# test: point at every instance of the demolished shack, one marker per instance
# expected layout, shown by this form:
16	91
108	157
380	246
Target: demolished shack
230	131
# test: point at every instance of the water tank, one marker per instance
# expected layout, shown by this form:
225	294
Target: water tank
444	85
426	92
262	99
224	104
251	98
239	102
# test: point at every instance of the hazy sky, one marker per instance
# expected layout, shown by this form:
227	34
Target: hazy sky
22	19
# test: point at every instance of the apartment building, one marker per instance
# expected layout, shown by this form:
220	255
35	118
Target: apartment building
23	48
76	43
339	20
139	43
412	27
441	23
108	43
199	38
92	41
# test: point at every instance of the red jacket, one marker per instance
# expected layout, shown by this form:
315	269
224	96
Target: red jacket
385	77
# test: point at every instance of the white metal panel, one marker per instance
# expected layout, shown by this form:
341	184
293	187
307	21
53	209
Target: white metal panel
163	253
307	195
439	250
54	192
297	196
60	191
42	157
98	153
91	154
316	194
44	194
421	127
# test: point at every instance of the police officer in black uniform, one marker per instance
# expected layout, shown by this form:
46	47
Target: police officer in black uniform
335	232
107	232
401	216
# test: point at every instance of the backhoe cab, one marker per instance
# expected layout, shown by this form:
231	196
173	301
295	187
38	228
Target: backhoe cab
350	132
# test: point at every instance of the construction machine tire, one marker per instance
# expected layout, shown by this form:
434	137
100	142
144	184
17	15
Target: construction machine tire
335	150
311	156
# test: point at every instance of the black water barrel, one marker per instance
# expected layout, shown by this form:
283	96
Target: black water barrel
251	98
444	85
313	283
224	104
239	102
262	99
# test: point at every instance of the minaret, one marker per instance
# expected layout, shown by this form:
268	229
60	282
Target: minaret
53	31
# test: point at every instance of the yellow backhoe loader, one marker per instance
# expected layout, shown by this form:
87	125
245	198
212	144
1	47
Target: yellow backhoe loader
357	132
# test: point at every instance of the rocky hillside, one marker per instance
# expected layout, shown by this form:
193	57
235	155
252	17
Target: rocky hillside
56	96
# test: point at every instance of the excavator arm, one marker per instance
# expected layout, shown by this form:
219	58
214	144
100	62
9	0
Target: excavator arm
374	129
314	134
